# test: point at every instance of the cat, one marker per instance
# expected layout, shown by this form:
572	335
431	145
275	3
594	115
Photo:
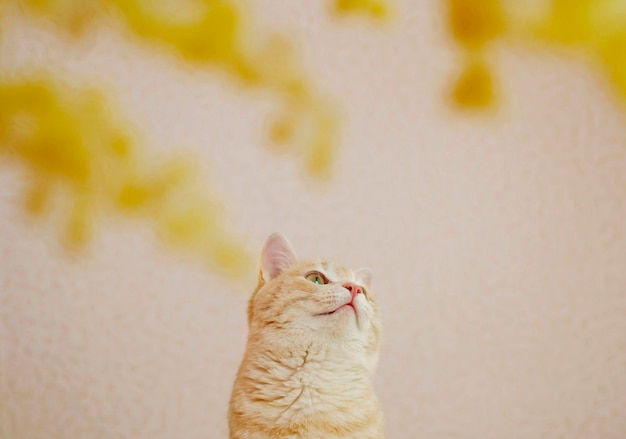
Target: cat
314	335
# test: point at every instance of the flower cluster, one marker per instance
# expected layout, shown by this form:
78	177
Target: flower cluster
76	152
597	28
84	160
376	9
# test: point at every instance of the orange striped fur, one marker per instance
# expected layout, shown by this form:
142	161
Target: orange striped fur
306	372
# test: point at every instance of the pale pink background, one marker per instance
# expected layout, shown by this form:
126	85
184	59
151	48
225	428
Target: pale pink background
498	244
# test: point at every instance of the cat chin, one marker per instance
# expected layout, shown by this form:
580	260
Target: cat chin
341	309
344	315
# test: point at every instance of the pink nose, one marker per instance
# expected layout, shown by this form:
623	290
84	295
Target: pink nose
354	289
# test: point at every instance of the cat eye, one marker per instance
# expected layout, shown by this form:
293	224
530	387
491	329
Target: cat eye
316	277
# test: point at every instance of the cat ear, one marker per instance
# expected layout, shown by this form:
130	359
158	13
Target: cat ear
364	275
276	256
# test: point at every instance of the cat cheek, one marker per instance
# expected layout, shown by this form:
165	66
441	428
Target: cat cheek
363	304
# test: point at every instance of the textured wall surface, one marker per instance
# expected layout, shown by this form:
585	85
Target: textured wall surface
498	244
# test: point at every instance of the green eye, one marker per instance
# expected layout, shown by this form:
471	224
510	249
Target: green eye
316	278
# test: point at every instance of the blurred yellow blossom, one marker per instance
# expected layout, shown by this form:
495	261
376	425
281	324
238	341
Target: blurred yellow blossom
569	21
612	53
213	33
594	27
474	88
321	157
473	23
74	148
376	9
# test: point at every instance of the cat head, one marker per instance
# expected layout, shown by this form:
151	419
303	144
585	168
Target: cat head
313	300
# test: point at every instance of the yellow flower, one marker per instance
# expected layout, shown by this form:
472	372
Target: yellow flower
70	145
569	21
613	56
377	9
475	22
217	34
474	88
210	37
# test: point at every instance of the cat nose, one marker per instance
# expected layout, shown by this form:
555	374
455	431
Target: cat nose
353	288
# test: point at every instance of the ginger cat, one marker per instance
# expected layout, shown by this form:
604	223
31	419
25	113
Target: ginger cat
314	333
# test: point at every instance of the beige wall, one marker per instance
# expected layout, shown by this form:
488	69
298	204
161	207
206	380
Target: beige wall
498	244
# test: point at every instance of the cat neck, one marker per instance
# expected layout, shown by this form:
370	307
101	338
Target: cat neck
305	380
